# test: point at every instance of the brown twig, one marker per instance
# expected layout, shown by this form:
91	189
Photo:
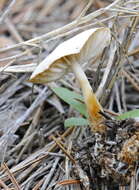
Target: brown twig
130	79
37	186
69	181
2	184
134	52
11	177
63	149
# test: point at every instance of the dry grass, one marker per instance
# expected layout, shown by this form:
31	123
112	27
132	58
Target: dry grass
35	148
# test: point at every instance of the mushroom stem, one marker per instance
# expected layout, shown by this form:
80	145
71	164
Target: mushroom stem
92	104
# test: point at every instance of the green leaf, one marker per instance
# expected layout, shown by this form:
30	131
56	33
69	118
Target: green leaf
73	99
129	114
75	121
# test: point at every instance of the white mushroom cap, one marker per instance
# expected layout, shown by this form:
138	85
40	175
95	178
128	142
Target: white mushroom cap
81	48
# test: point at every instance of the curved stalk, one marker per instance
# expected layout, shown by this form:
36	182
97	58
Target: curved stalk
92	104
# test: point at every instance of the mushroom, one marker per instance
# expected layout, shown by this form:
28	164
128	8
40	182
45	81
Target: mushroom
70	55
